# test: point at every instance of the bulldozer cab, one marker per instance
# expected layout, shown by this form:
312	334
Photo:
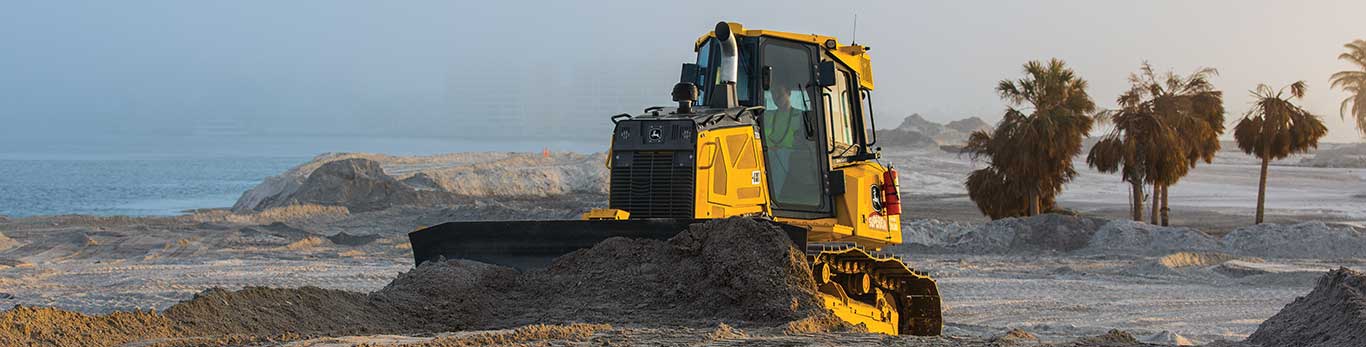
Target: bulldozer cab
817	113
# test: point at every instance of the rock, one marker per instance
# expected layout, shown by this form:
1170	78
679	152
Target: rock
1333	314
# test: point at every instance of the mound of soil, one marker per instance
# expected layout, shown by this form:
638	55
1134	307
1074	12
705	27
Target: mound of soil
28	326
271	311
346	239
737	271
1333	314
329	179
734	269
1043	233
358	184
1129	237
1302	240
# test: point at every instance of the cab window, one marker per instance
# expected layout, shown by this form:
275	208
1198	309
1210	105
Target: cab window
840	114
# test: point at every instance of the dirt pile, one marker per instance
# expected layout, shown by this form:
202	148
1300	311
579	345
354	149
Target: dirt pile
1088	236
733	269
358	184
271	311
1333	314
1129	237
380	181
1302	240
1199	259
28	326
1044	233
737	271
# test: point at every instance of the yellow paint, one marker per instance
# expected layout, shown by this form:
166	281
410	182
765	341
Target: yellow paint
730	173
854	56
878	318
606	214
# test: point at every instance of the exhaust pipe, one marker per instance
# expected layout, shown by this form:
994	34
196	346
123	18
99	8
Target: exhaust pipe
730	53
727	71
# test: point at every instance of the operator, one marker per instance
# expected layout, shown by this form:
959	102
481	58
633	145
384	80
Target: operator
785	136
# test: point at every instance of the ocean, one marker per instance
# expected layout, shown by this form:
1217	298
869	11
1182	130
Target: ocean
166	175
135	187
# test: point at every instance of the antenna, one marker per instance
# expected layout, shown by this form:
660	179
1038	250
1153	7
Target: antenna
854	39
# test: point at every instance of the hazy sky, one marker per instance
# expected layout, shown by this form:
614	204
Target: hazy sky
97	69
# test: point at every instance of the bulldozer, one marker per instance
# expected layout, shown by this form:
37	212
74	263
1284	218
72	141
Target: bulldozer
771	125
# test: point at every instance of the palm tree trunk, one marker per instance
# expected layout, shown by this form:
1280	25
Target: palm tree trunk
1152	219
1261	191
1138	201
1034	205
1164	204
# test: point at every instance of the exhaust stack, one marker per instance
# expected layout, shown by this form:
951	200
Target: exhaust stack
727	71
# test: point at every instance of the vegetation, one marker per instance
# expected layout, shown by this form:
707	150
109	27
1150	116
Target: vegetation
1275	128
1354	82
1162	122
1032	147
1141	146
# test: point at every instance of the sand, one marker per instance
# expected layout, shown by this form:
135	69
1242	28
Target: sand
739	271
1060	278
1333	314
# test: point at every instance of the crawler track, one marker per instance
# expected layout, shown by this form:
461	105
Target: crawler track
877	290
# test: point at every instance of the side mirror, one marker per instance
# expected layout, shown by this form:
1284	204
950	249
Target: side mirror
766	76
825	74
689	74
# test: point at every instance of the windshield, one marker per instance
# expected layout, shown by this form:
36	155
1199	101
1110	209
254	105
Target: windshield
708	56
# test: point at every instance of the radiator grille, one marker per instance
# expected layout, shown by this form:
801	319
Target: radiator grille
653	185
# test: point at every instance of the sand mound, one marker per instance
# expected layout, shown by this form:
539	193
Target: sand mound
390	181
358	184
1111	338
1015	337
1129	237
7	243
1168	338
1199	259
1302	240
1333	314
346	239
271	311
738	271
28	326
1043	233
732	269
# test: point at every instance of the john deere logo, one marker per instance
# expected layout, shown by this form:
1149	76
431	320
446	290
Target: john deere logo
656	134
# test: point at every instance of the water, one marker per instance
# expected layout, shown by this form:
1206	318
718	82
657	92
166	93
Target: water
166	175
135	187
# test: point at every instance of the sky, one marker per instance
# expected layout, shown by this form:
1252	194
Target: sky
104	72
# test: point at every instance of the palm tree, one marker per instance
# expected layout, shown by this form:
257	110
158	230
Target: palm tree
1275	128
1193	108
1032	147
1354	82
1141	145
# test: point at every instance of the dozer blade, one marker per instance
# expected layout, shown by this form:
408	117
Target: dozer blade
534	244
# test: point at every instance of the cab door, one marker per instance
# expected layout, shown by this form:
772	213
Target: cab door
794	142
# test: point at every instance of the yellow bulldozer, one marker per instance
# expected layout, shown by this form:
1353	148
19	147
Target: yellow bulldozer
770	125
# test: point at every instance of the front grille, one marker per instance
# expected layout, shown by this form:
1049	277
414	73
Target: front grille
653	185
